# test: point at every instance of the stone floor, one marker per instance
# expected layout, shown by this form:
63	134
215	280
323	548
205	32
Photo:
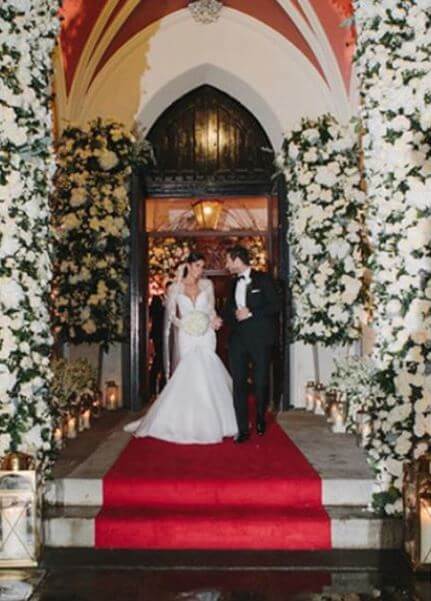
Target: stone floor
128	576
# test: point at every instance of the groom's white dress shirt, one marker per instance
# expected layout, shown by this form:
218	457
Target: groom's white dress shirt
241	288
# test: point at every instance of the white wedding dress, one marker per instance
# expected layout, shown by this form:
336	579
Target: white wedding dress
196	405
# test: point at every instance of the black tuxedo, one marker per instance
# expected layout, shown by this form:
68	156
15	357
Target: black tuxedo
252	339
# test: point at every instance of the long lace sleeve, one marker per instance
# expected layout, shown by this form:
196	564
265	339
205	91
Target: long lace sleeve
170	318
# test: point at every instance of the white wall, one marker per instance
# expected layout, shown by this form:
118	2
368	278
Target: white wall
111	369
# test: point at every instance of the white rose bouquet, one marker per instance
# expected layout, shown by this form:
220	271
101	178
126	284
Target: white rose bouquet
195	323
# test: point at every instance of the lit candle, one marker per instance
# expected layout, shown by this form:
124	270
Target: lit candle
365	432
309	396
310	400
338	426
80	422
58	437
318	406
333	412
86	419
112	402
71	427
14	532
425	526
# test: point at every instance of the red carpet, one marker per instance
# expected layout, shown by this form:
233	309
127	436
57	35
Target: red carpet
259	495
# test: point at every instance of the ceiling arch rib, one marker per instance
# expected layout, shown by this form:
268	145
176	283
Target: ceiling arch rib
289	85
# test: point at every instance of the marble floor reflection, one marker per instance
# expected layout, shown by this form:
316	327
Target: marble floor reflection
134	584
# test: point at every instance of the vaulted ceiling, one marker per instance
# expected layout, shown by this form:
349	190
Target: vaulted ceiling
86	23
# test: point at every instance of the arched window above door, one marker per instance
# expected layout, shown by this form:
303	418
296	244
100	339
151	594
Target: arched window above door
208	143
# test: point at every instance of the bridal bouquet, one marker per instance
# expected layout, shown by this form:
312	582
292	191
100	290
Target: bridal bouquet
195	323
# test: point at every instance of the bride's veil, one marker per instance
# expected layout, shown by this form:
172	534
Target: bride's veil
170	347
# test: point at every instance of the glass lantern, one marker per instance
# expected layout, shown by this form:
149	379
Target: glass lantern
363	427
319	399
112	395
84	417
207	212
20	522
331	404
417	512
97	404
340	414
309	395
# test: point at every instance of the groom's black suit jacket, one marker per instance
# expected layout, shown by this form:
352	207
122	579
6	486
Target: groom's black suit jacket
264	303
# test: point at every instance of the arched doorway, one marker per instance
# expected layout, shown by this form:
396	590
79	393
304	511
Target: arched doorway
210	151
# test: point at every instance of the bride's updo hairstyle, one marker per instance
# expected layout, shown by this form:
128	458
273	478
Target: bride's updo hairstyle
193	257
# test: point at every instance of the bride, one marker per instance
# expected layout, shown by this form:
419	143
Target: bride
196	404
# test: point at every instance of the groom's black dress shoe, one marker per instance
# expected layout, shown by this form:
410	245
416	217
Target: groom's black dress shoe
261	428
242	437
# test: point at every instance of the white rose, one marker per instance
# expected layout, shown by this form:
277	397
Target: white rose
78	197
7	381
311	134
108	160
293	151
71	221
394	467
11	293
352	288
338	249
9	244
89	326
403	445
326	177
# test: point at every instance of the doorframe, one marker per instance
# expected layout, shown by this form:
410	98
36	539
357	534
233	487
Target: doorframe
284	277
134	348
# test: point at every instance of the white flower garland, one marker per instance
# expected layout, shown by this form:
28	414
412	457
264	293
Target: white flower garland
91	213
357	378
394	69
320	163
27	39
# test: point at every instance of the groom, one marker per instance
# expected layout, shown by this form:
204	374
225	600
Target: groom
250	312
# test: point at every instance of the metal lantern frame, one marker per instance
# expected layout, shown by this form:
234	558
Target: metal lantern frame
417	507
207	212
319	399
331	402
28	500
112	396
310	388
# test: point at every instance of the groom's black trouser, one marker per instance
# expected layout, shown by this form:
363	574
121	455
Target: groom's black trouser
241	351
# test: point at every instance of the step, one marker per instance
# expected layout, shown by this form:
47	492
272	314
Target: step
89	492
351	528
214	528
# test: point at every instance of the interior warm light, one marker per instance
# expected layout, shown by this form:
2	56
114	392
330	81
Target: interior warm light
207	212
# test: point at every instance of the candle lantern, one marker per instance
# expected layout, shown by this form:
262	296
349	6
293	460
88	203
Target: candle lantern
417	512
207	212
331	404
20	533
339	415
58	437
85	412
97	404
363	427
309	395
71	426
319	399
112	396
